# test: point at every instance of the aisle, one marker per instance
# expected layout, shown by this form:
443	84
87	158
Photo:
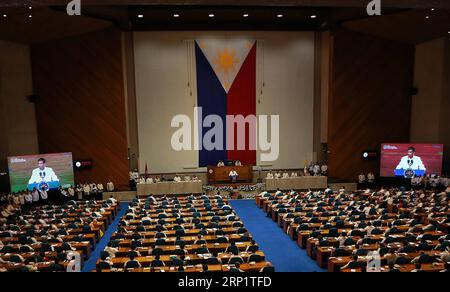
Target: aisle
90	264
283	252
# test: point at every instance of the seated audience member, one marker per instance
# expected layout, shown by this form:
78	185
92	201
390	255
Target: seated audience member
132	263
56	266
447	268
353	264
104	263
220	164
205	268
418	268
237	163
236	268
157	263
235	258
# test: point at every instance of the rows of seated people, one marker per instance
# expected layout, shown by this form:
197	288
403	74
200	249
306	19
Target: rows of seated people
402	231
182	234
53	237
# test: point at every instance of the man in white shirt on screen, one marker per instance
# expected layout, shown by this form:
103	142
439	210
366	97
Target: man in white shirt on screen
42	174
411	161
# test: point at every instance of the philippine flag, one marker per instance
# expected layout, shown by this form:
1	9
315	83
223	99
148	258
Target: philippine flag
226	85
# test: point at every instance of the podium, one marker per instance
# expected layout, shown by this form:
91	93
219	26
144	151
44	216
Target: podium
220	174
52	185
409	173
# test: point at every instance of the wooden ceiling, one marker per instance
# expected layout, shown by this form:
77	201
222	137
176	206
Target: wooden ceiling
402	20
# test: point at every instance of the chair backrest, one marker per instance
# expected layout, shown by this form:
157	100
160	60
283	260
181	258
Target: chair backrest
212	261
132	264
234	260
255	258
157	251
15	259
222	240
103	266
268	270
202	250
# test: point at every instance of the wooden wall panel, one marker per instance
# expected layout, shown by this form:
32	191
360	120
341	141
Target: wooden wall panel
370	100
81	104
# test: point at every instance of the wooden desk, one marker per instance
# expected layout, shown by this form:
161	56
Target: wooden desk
170	188
220	174
297	183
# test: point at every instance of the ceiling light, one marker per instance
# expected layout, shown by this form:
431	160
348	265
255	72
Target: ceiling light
313	16
432	9
176	15
140	16
4	15
280	15
30	16
30	7
245	15
427	17
211	15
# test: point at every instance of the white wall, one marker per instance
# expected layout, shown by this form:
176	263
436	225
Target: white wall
162	74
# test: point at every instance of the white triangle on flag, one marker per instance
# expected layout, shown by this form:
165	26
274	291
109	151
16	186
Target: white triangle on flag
226	57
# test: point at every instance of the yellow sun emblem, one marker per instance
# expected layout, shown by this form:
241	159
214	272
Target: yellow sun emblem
226	60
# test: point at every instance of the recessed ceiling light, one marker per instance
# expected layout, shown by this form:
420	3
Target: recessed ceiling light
30	7
245	15
140	16
427	17
211	15
30	16
176	15
280	15
4	15
432	9
313	16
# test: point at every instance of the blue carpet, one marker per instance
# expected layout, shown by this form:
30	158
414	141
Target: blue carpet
91	263
278	247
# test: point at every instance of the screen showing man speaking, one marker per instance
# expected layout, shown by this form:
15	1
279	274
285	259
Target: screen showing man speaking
408	160
44	171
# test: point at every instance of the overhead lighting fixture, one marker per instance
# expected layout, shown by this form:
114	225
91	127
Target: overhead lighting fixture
211	15
280	16
30	7
245	15
427	17
30	16
4	15
313	16
141	16
432	9
176	15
